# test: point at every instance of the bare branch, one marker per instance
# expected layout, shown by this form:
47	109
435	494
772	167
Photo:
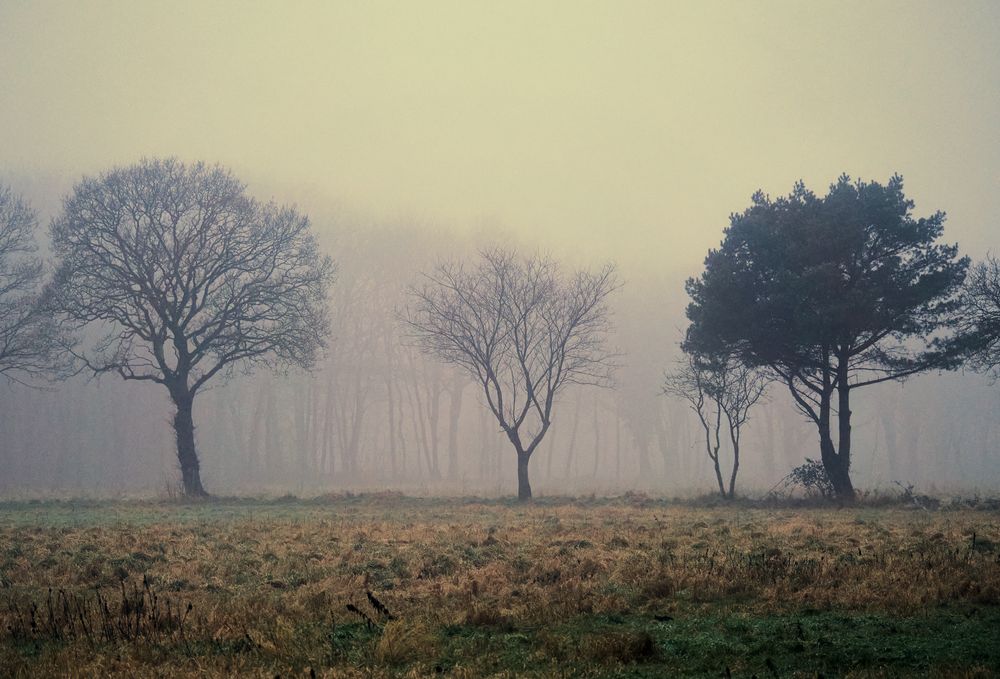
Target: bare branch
30	339
194	276
520	329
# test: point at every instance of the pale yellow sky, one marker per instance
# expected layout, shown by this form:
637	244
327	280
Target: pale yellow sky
621	129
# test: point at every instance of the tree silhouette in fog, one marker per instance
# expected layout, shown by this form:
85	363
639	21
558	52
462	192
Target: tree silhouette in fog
830	294
183	277
980	320
522	330
29	339
715	387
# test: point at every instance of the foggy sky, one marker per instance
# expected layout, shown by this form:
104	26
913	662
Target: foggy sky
624	130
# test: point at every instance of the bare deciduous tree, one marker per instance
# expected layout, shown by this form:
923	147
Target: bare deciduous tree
29	346
715	387
980	319
187	277
522	331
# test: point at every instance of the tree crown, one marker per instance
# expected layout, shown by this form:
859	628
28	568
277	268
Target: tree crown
187	274
519	328
853	275
980	320
29	339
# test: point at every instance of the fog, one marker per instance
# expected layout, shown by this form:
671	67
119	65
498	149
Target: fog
415	132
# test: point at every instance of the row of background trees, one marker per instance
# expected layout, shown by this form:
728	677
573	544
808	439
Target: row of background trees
378	412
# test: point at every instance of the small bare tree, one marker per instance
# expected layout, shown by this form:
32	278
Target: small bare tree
187	278
522	331
715	387
29	339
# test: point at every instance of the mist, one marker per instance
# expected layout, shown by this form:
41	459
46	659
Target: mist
377	414
520	338
410	134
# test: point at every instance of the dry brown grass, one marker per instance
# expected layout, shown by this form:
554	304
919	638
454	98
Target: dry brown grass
268	582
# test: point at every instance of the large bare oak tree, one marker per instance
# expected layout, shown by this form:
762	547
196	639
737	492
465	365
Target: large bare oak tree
523	331
187	277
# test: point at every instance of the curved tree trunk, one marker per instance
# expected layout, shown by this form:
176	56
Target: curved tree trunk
734	436
718	475
187	455
837	465
712	447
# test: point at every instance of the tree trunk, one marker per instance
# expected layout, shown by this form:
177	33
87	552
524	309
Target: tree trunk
734	437
597	440
186	453
834	462
454	413
571	450
718	476
523	486
843	485
713	448
827	452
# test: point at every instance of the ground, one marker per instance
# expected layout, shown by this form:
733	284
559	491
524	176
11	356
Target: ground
629	587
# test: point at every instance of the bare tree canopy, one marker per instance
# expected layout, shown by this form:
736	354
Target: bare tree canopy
28	337
522	331
186	277
980	324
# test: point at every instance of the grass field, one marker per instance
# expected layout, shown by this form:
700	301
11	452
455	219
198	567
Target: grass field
618	588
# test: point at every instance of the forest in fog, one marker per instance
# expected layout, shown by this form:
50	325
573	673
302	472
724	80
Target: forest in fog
376	413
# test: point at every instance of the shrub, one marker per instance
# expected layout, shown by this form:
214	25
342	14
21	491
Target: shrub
812	478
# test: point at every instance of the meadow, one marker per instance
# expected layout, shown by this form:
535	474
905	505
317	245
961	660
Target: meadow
393	586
